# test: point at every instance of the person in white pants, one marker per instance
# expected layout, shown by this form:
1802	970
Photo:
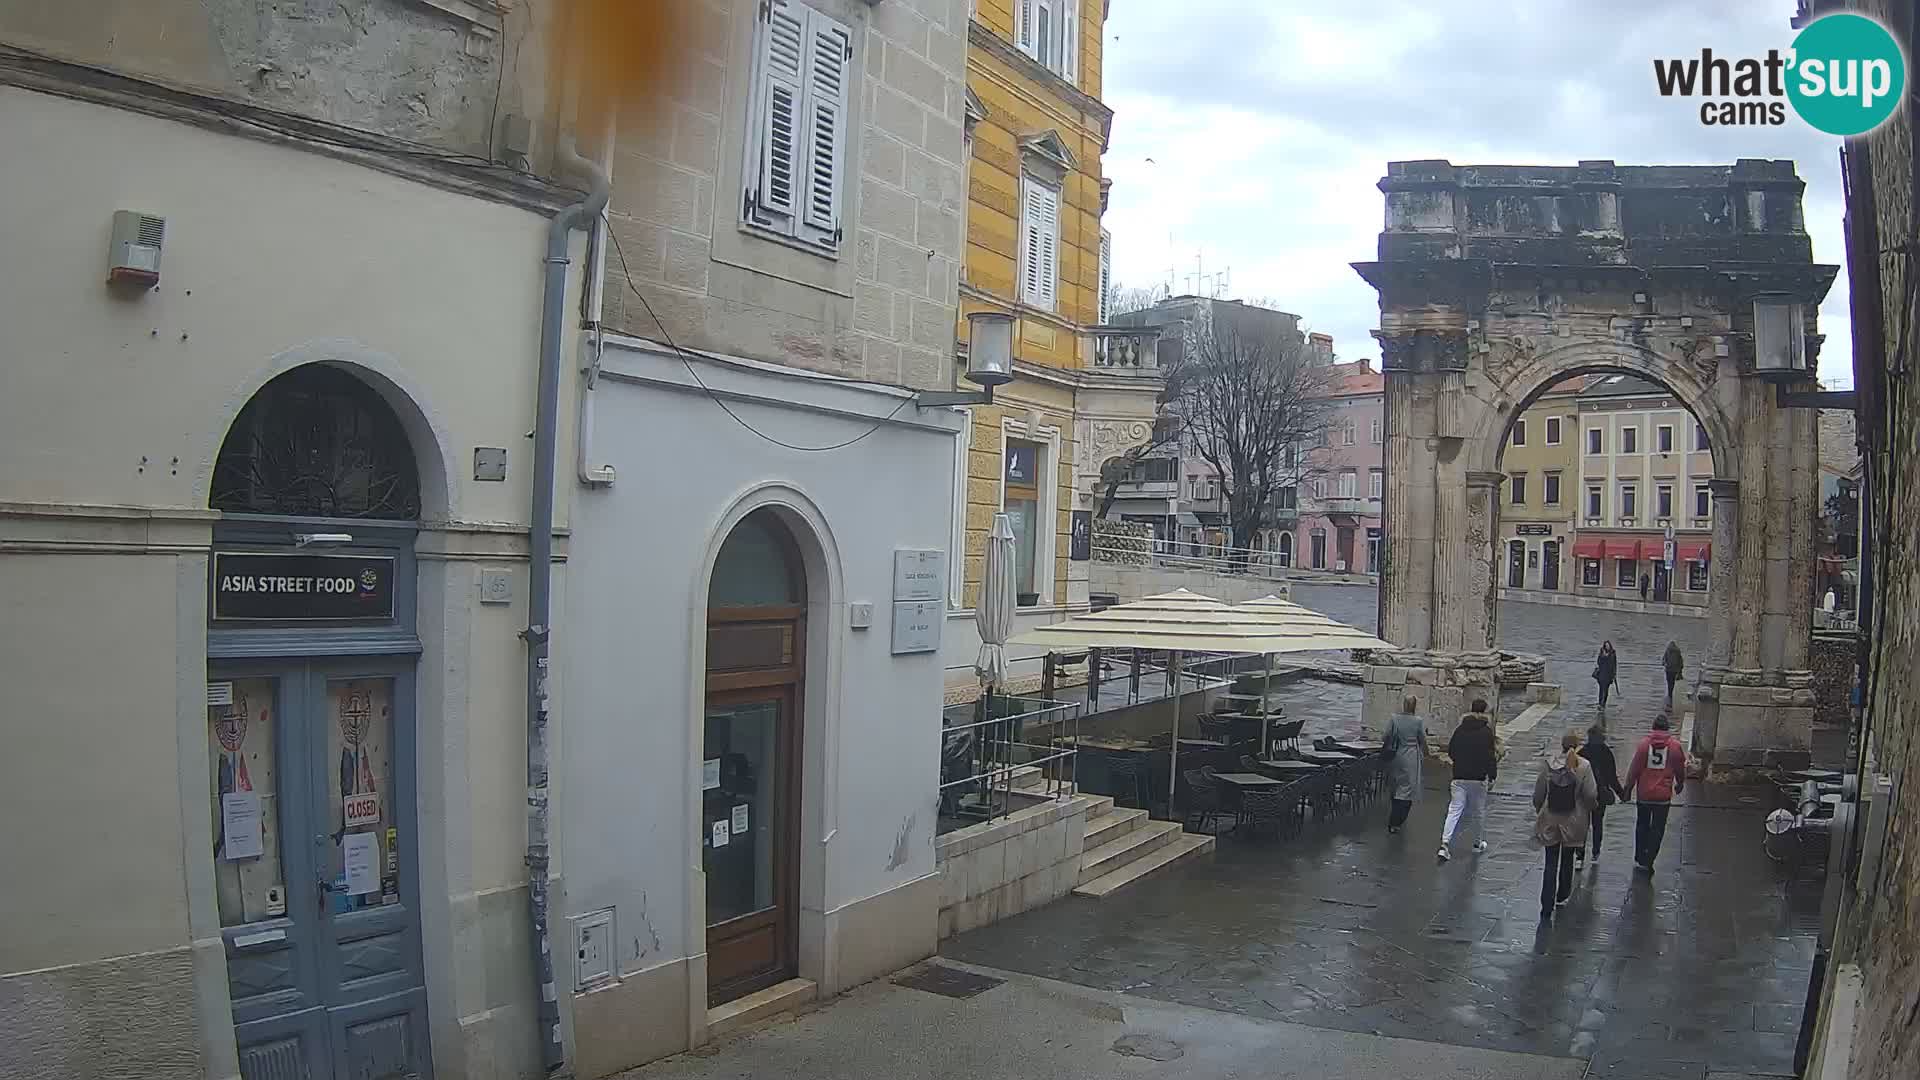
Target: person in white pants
1476	763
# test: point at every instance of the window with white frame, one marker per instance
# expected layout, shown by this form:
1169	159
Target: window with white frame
1700	437
1663	501
1702	501
1593	502
796	143
1049	31
1039	243
1519	436
1550	489
1553	431
1349	483
1629	500
1517	488
1347	433
1663	438
1596	440
1377	432
1319	487
1376	482
1630	440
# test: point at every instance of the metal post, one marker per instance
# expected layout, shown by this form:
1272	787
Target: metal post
1173	749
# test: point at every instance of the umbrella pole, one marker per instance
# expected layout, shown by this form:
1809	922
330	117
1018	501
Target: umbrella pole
1266	689
1173	749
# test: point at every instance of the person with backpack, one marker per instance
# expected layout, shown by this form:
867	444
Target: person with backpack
1606	669
1605	776
1676	665
1564	795
1658	773
1476	762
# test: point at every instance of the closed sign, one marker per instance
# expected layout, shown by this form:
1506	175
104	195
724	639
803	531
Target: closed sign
361	809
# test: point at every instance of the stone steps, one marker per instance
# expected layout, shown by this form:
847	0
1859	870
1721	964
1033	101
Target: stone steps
739	1013
1109	825
1142	840
1187	846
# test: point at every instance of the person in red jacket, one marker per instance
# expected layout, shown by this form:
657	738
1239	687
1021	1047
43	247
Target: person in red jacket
1658	773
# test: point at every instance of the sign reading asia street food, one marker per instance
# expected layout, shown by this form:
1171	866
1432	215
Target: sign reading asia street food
302	587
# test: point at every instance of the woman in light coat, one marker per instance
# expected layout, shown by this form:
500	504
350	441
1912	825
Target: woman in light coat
1564	795
1405	746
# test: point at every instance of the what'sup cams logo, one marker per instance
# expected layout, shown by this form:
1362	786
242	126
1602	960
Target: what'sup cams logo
1844	75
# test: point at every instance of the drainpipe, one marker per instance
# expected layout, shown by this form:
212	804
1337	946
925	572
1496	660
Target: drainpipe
540	582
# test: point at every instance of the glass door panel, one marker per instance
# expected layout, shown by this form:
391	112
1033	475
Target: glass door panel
747	844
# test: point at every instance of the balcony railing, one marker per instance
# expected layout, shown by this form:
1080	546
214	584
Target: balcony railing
1341	505
1126	348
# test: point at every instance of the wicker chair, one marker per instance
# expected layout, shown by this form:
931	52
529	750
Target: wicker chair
1202	801
1132	786
1270	806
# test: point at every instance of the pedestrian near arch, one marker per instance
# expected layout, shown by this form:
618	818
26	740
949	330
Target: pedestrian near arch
1405	746
1606	670
1606	778
1476	763
1676	665
1564	795
1658	773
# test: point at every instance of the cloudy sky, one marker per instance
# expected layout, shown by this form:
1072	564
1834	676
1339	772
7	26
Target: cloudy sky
1250	133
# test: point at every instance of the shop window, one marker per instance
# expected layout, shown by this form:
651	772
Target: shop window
1626	573
1590	571
1696	577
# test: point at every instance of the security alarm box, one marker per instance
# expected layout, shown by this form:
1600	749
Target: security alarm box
134	258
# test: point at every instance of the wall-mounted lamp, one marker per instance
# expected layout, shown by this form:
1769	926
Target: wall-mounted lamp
989	362
309	539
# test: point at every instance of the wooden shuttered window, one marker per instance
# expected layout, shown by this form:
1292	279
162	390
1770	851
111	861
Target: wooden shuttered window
797	141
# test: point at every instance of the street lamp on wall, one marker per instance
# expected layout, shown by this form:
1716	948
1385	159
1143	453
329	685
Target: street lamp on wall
989	361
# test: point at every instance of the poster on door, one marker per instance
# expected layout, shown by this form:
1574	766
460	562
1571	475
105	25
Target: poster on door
241	733
359	749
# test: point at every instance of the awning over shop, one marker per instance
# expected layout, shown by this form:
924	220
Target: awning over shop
1692	550
1188	521
1589	547
1623	547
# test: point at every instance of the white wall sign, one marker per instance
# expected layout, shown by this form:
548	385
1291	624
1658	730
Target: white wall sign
916	626
919	574
240	825
362	854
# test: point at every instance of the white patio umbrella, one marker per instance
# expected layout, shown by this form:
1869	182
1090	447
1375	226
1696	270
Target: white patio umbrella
1182	621
1311	631
993	617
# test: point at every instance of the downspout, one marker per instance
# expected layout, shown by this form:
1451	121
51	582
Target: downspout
538	633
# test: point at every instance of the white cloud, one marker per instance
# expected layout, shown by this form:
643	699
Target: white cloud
1269	123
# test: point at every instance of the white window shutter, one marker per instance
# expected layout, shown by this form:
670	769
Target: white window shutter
829	73
1070	41
1046	232
1023	35
1029	242
1106	276
773	195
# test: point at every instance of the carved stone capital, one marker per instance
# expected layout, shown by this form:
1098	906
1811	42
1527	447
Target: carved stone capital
1486	480
1723	489
1423	351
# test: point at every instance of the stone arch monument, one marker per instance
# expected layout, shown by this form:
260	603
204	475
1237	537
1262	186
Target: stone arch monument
1495	283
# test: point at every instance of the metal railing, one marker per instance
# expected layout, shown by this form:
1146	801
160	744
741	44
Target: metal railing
983	756
1213	559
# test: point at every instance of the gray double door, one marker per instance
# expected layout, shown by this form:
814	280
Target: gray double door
314	832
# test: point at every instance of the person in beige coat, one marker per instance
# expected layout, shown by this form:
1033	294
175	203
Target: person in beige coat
1564	795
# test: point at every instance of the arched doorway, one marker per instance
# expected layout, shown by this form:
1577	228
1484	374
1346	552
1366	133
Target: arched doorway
751	758
311	654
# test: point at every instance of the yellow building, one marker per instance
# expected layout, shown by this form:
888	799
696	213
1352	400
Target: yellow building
1540	498
1082	393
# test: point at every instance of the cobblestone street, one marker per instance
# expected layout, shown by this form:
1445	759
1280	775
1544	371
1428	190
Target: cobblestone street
1699	971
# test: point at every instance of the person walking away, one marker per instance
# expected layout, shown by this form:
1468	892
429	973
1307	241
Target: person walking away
1607	778
1658	773
1645	583
1676	666
1476	762
1405	746
1606	669
1564	795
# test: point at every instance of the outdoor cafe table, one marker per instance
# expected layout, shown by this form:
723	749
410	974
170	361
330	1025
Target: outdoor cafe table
1360	749
1288	765
1245	780
1319	757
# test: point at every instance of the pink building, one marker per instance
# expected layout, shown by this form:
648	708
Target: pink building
1339	521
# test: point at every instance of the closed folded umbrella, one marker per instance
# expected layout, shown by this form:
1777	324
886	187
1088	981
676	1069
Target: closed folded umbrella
993	616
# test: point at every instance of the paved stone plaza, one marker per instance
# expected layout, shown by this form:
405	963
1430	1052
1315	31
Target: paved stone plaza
1700	971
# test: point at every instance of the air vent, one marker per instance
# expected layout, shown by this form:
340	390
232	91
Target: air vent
134	258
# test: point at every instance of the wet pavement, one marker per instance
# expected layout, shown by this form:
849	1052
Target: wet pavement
1700	970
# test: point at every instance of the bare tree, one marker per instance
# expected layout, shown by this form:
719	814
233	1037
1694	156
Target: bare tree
1122	299
1251	402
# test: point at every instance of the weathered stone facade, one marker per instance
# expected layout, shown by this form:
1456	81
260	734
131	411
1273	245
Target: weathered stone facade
1497	282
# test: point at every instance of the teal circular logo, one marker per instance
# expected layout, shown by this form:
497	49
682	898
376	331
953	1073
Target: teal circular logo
1847	74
